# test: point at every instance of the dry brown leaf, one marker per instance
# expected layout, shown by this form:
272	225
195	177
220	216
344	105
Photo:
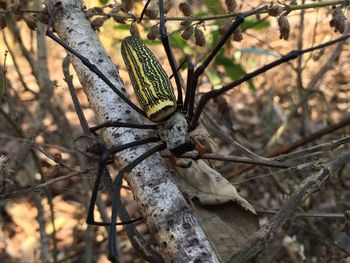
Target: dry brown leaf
203	183
227	226
202	135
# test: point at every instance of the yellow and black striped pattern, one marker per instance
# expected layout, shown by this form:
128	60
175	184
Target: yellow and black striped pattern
151	84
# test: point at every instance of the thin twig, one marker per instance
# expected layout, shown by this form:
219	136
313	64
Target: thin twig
44	241
296	144
38	187
229	158
308	186
14	59
331	216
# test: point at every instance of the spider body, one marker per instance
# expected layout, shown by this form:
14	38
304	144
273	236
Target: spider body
152	86
155	95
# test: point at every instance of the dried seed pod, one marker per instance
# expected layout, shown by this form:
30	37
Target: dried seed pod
188	32
30	21
128	5
284	27
134	31
338	20
231	5
317	54
187	22
237	35
199	37
43	16
6	173
93	11
98	22
275	10
225	26
119	19
3	4
16	8
168	4
153	32
2	21
185	8
151	13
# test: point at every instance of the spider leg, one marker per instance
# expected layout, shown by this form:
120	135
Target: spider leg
118	124
143	11
192	85
190	70
178	68
138	242
290	56
165	40
115	205
101	167
87	63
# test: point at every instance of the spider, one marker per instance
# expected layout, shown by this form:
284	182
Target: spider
174	117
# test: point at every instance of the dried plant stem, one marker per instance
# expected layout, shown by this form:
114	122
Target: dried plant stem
229	158
308	186
299	80
14	59
44	241
42	185
320	215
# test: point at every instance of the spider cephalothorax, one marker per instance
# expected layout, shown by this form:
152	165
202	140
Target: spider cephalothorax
174	132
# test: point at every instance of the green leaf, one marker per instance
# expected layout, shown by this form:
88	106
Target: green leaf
201	14
233	70
214	7
251	23
151	42
122	26
177	41
214	78
103	2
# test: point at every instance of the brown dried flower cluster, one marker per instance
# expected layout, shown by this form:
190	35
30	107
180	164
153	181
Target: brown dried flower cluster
185	8
188	33
153	32
237	34
199	37
134	31
17	10
275	10
231	5
284	27
338	20
3	23
128	5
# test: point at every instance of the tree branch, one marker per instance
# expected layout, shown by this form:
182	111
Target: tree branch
168	216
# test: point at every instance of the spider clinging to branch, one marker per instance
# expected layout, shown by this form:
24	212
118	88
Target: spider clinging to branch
175	117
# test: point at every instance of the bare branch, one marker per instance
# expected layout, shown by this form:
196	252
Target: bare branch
163	206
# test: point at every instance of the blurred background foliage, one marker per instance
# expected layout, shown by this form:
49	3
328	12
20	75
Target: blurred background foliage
39	126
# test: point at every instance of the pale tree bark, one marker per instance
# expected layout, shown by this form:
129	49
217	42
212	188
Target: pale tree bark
176	231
